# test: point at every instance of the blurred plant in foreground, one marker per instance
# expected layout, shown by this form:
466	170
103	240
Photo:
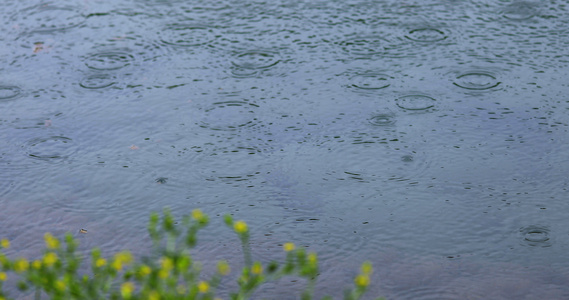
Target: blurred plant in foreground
171	274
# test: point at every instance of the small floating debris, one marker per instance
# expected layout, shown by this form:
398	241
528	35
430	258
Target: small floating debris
84	231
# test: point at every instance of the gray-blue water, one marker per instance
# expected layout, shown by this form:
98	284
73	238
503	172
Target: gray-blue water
429	137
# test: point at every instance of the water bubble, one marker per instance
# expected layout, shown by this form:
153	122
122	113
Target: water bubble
476	80
187	35
519	11
426	35
49	18
382	120
229	116
109	60
370	81
415	102
49	148
365	45
535	236
97	81
8	92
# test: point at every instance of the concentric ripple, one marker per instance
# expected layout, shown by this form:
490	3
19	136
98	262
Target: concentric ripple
519	11
476	80
426	35
382	120
97	81
535	236
8	92
187	35
49	148
49	18
109	60
229	116
251	62
370	81
415	102
365	45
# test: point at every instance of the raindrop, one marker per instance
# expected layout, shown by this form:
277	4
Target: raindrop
97	81
111	60
49	148
415	102
426	35
8	92
476	81
535	236
370	81
364	45
187	35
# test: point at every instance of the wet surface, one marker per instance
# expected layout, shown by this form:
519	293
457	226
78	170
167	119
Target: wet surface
429	137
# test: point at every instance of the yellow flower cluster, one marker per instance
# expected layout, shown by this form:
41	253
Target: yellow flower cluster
199	216
49	259
4	243
51	242
363	280
240	227
21	265
100	262
289	247
167	266
3	276
257	268
126	289
121	259
203	287
223	267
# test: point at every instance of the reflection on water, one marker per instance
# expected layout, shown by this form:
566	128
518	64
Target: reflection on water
429	137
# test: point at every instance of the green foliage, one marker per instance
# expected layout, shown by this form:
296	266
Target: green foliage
172	275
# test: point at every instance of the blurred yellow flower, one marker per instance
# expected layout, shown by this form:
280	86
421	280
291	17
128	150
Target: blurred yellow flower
100	262
367	268
51	242
4	243
60	285
145	270
312	258
3	276
49	259
289	247
154	295
36	264
362	280
257	268
223	267
21	265
126	289
240	227
121	259
197	214
203	287
167	263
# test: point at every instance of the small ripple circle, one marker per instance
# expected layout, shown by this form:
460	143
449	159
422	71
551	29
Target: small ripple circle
415	102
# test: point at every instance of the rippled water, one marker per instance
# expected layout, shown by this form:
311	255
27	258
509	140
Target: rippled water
429	137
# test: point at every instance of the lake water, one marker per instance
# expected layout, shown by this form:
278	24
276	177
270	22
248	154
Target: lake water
429	137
